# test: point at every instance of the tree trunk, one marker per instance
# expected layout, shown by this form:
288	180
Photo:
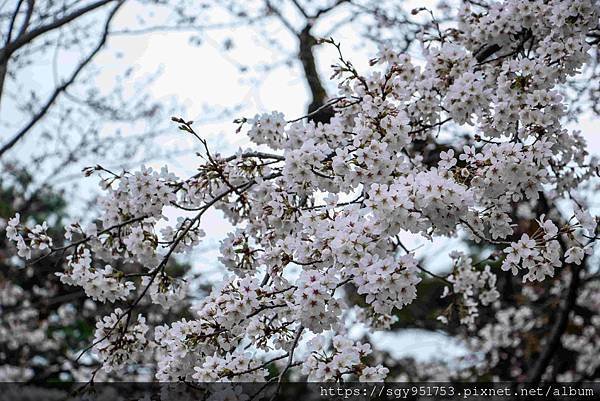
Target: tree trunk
318	92
3	72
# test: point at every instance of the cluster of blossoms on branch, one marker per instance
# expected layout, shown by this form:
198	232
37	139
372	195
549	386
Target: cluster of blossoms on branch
29	238
477	287
339	197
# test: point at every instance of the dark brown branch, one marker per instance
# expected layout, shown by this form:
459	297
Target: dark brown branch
11	26
275	11
29	13
560	325
309	66
262	366
301	9
290	361
307	57
486	52
42	112
325	107
260	155
330	8
4	56
27	37
566	305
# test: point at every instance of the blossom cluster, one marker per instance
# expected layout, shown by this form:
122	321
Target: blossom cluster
345	357
35	238
267	129
100	284
118	344
475	287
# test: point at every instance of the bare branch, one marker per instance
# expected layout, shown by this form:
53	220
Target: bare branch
62	88
275	11
25	24
560	325
301	9
27	37
330	8
290	360
12	22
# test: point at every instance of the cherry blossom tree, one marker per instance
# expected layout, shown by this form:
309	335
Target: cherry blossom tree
68	120
321	210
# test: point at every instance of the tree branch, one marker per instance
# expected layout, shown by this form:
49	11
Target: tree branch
12	22
27	37
309	66
328	9
25	24
290	361
275	11
301	9
42	112
540	366
486	52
